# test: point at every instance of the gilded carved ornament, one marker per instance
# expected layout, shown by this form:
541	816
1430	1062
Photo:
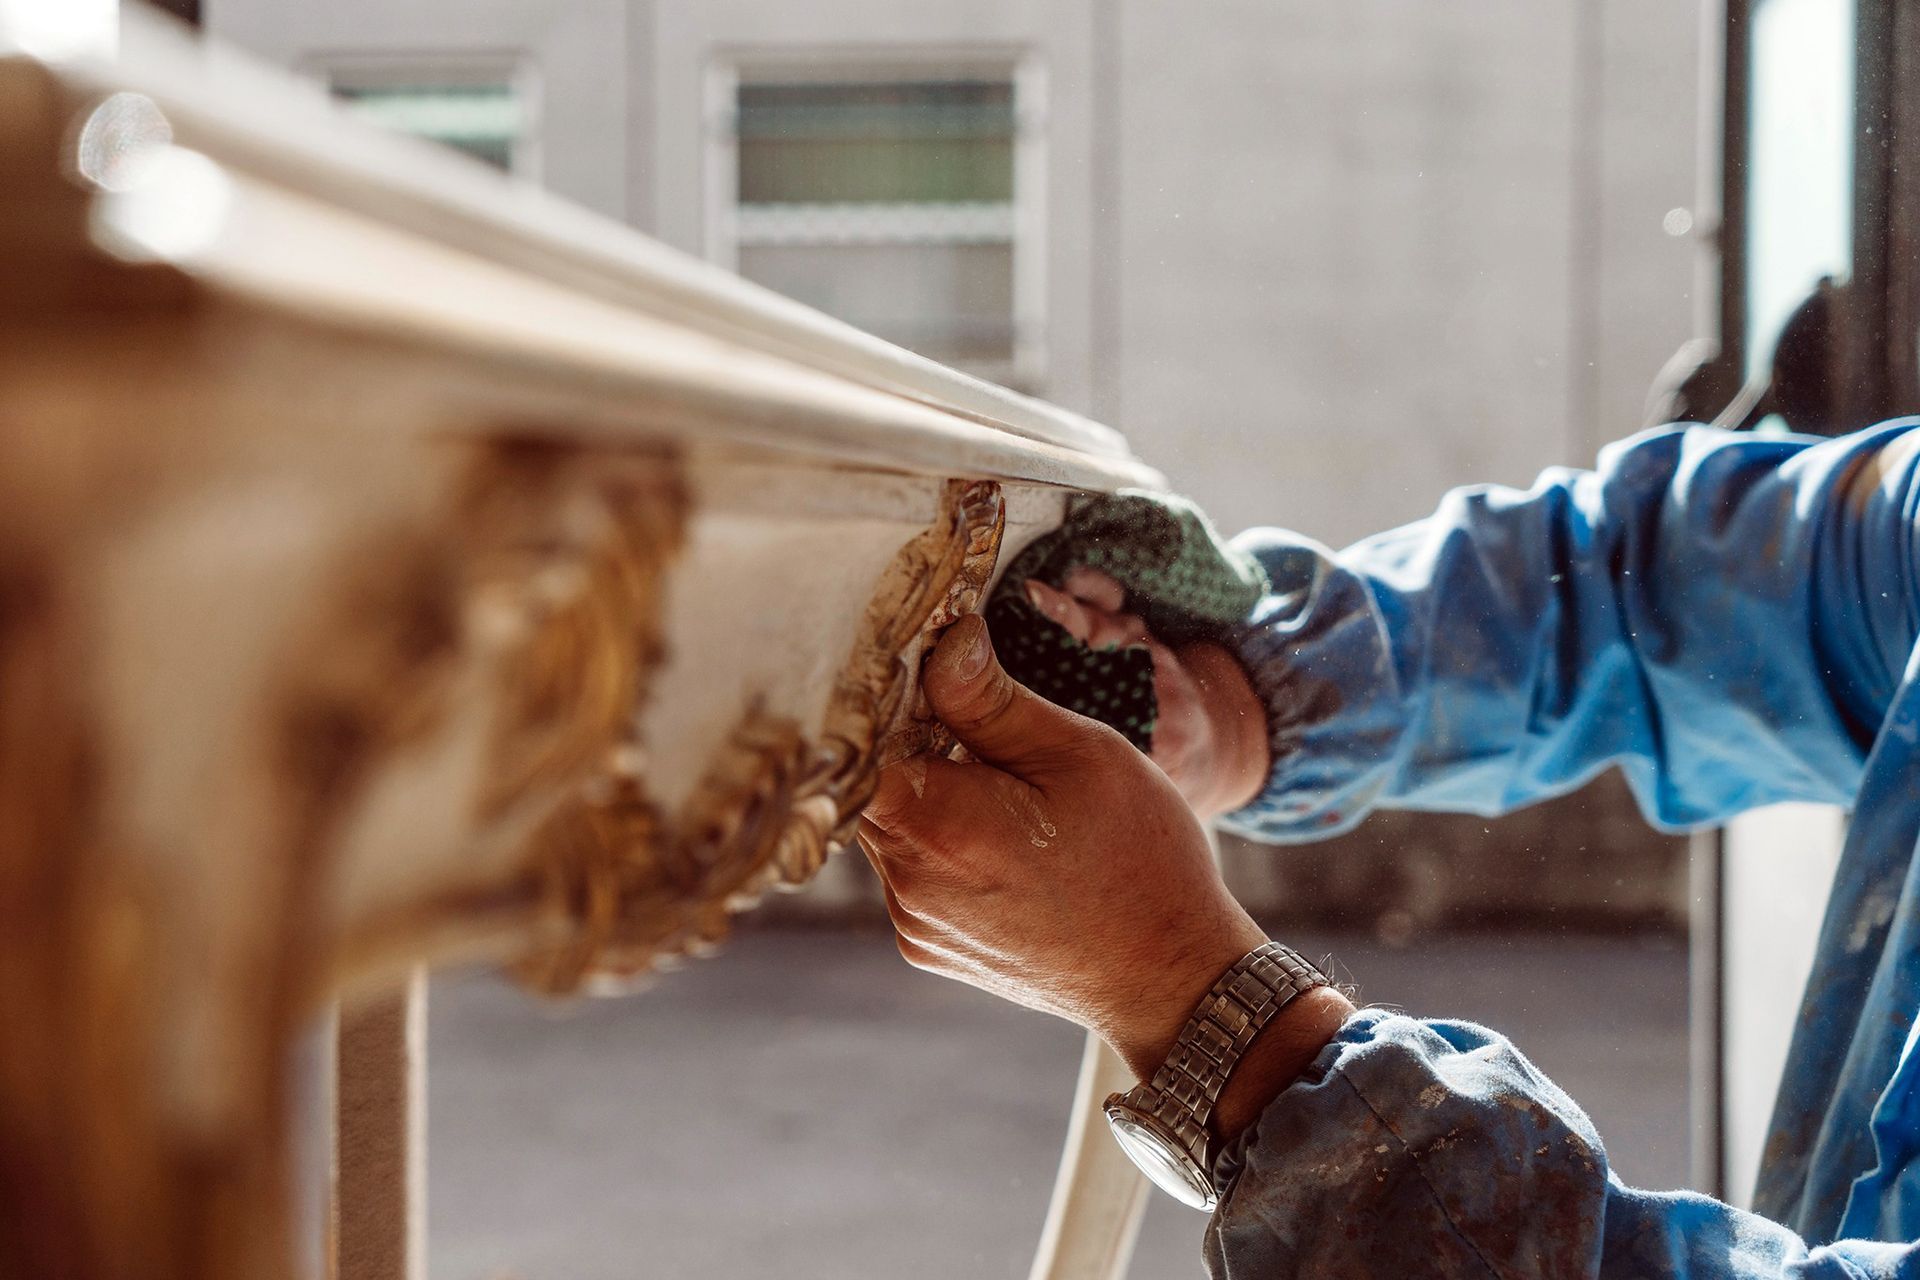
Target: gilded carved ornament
632	888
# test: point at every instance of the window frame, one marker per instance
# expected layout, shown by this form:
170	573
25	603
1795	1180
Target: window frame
454	69
727	69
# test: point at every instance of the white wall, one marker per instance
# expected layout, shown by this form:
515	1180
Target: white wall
574	51
1322	262
1372	250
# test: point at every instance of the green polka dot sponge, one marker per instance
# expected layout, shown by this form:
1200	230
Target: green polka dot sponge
1180	577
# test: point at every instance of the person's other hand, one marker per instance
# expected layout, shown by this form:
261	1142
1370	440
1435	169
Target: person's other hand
1059	868
1210	730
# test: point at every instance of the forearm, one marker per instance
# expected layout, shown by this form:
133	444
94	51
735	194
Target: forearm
1723	616
1237	728
1396	1152
1284	1050
1436	1149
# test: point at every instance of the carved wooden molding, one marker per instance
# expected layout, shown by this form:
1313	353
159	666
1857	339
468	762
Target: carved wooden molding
336	610
535	588
638	889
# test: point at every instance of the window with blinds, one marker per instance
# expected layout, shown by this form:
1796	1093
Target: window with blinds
891	203
482	118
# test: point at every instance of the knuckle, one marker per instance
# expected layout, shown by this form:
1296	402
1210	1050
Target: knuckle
933	833
913	953
991	699
1102	739
895	793
924	887
905	846
1095	745
928	881
899	838
887	846
915	840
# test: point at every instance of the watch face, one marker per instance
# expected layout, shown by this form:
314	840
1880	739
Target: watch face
1150	1146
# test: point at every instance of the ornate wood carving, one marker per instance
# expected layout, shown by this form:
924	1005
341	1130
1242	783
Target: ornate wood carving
514	620
307	675
153	992
571	582
639	890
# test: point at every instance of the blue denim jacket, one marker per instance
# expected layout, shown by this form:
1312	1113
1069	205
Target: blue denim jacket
1732	620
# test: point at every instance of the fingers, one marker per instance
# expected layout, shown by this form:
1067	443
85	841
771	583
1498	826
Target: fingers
1118	631
994	716
1090	622
1061	608
1180	725
1098	589
934	826
908	926
917	938
899	786
915	954
921	806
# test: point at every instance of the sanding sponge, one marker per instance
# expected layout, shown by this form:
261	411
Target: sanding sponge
1183	580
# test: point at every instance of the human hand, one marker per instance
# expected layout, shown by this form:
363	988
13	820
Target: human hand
1058	869
1210	729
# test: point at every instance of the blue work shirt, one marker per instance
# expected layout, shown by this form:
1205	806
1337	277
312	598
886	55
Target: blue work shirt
1729	619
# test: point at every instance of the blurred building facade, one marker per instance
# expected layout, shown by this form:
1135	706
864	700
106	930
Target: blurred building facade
1321	262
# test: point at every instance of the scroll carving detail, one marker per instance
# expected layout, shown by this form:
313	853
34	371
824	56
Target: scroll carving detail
633	889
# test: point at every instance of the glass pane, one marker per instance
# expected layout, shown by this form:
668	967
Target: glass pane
1800	221
872	222
888	203
482	120
941	141
951	302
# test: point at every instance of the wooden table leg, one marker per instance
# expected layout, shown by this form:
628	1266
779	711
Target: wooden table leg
1098	1196
379	1220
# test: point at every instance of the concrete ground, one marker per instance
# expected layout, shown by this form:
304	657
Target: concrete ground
806	1105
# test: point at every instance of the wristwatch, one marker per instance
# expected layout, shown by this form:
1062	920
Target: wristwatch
1162	1124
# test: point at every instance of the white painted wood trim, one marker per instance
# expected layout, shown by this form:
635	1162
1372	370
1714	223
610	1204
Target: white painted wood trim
264	127
1098	1196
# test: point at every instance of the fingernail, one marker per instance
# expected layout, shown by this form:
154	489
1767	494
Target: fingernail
972	660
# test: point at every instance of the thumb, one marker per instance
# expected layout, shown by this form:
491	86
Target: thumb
993	715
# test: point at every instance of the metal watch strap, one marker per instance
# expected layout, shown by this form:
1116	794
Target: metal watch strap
1184	1090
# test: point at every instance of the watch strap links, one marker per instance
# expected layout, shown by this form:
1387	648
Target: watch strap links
1182	1093
1162	1123
1237	1008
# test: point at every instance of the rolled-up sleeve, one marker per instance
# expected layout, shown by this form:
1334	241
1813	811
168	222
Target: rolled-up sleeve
1723	616
1435	1149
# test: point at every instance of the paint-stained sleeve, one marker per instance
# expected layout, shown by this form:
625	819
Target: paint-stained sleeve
1724	616
1435	1149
